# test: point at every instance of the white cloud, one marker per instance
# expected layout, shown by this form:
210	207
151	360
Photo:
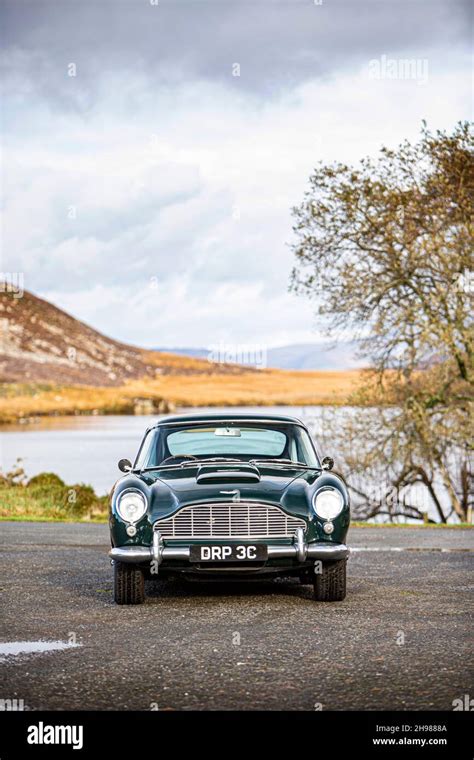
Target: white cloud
189	189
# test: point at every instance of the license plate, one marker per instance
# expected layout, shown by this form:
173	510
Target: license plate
230	553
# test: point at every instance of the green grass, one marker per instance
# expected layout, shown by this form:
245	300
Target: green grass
47	498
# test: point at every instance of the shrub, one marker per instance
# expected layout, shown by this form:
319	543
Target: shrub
47	479
79	499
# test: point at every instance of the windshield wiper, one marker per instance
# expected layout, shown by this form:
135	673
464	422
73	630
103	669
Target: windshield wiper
225	460
284	462
192	463
222	459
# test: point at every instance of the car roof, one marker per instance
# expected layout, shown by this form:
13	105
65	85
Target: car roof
227	417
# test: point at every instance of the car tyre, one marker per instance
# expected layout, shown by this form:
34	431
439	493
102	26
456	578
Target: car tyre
129	584
330	584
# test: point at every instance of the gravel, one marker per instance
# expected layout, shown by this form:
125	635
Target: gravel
402	639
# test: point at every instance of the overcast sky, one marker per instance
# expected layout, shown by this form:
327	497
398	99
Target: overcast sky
149	195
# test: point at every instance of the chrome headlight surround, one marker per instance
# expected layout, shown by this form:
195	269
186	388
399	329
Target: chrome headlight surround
131	505
328	502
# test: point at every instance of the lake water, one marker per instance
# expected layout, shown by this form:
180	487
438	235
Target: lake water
87	449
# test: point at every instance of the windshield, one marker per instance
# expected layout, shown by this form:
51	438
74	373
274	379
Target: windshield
245	442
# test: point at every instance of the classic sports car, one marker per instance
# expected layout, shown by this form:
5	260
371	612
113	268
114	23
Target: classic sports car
229	495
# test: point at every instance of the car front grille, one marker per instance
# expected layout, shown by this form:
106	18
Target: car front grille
243	519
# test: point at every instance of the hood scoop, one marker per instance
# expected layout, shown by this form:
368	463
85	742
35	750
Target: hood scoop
231	473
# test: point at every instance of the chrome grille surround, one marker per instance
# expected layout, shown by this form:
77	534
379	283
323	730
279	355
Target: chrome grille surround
229	520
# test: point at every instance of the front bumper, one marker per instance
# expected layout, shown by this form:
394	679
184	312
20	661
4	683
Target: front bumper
299	550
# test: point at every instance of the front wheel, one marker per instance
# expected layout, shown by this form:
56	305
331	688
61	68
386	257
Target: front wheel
129	584
330	583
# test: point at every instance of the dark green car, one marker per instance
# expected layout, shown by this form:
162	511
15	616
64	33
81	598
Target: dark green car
229	495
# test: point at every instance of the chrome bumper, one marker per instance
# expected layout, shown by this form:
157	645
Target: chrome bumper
299	550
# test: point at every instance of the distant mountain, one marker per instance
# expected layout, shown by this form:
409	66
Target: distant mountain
302	356
41	343
306	356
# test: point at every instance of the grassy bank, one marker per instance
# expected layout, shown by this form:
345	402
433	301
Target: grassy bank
46	497
263	388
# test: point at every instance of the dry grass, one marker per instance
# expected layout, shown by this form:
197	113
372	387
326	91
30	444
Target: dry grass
259	388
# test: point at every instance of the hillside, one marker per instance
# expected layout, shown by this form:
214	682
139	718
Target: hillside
41	343
51	363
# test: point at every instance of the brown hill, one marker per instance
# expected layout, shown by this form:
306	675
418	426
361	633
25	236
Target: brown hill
49	362
41	343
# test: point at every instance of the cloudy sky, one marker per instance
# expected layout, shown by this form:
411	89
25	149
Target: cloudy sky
153	149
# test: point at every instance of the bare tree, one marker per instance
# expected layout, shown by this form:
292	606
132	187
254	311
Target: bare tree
386	250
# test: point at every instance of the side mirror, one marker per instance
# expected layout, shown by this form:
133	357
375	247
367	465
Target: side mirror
327	463
125	465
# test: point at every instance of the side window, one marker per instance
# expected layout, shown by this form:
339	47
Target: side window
306	452
294	456
143	458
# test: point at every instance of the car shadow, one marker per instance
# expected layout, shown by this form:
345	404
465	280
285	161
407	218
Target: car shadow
179	587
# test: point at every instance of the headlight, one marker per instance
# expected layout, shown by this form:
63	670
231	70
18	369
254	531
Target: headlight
328	503
131	505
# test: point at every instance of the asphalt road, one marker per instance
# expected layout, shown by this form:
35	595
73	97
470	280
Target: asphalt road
402	639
